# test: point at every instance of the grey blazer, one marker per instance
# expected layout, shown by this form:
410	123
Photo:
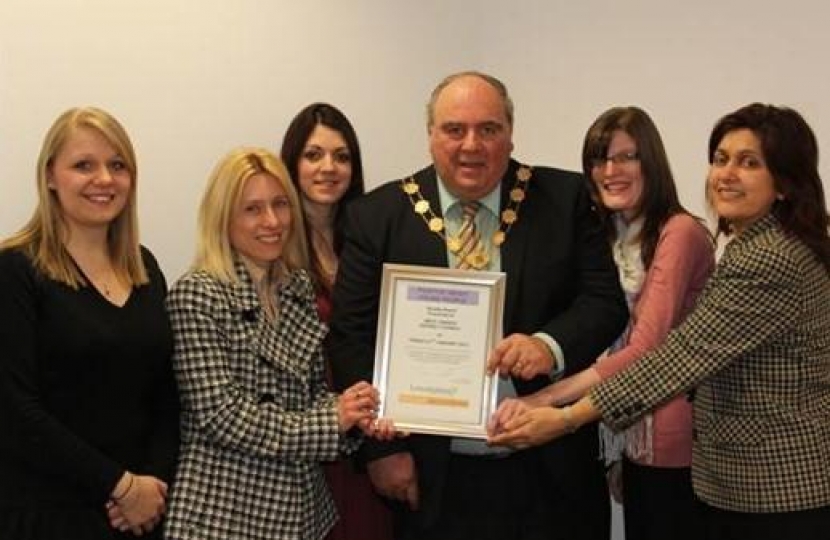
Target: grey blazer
256	415
757	347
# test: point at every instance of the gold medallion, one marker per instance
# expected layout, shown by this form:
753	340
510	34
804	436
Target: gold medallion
478	259
410	188
498	238
517	195
436	224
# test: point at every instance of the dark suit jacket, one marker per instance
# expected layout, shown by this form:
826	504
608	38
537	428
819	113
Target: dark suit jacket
561	280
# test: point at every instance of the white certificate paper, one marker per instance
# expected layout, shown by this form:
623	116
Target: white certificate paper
436	328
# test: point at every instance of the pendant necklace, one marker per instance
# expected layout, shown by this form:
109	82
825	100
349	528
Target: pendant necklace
479	258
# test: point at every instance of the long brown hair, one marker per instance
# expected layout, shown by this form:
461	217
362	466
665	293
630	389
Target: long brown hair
659	200
791	153
293	144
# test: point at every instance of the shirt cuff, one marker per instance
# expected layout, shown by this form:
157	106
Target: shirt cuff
556	351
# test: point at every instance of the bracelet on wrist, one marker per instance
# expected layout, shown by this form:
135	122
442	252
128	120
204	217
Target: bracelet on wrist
568	417
119	498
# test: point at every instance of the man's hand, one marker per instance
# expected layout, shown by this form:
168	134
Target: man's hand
395	477
522	356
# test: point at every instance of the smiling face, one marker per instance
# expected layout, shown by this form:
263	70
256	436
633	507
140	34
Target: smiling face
90	180
325	167
470	137
619	177
261	221
741	187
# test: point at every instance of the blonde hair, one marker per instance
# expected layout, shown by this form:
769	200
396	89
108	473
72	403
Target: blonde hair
214	253
43	236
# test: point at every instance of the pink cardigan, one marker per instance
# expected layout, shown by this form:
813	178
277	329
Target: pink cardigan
683	261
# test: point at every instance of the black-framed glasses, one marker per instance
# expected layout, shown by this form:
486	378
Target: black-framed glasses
620	158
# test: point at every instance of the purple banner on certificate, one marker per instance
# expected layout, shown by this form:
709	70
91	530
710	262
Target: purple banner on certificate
442	295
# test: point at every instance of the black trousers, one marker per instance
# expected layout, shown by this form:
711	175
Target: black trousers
811	524
510	498
659	503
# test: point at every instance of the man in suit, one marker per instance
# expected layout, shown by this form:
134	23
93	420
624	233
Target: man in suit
563	307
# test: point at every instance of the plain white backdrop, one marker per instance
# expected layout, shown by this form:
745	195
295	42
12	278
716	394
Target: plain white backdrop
192	79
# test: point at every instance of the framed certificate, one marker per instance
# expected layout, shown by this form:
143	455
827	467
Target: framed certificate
436	328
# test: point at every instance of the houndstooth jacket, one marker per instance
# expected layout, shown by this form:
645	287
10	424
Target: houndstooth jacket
757	346
256	415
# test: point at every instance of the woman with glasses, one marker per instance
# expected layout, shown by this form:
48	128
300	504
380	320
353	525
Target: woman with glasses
664	256
755	348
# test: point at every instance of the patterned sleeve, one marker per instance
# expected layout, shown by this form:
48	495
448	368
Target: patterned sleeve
325	398
229	413
752	296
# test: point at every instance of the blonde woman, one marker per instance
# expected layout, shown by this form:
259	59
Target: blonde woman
257	416
88	407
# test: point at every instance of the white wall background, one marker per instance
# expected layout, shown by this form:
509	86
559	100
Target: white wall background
192	79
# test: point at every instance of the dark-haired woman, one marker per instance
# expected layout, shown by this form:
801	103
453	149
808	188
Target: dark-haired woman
322	154
664	256
755	349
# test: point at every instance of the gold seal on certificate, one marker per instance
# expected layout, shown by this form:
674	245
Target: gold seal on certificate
436	328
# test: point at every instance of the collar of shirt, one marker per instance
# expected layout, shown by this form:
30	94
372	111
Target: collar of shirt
486	221
451	210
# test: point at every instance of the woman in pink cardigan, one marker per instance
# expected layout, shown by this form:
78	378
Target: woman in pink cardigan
664	256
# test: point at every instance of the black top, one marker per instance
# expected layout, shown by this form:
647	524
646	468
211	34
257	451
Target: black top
86	391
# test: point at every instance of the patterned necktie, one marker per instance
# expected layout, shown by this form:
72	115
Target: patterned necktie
472	248
469	239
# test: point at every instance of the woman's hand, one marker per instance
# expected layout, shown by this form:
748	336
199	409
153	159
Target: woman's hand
508	409
532	428
540	425
383	429
357	405
137	504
